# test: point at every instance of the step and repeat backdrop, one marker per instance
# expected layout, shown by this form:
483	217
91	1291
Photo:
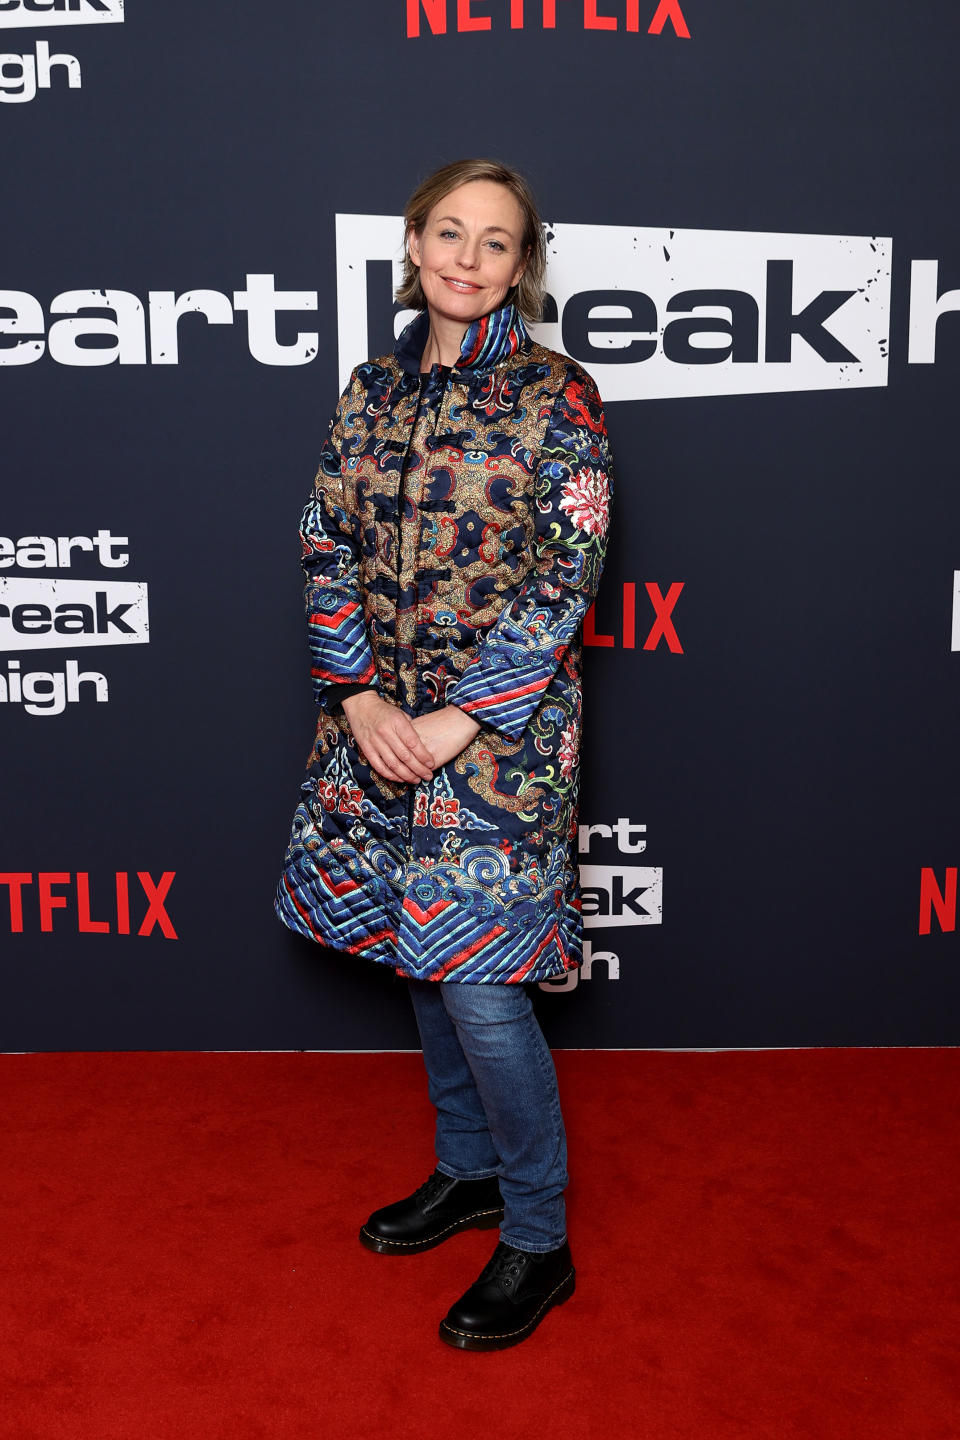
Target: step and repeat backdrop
754	248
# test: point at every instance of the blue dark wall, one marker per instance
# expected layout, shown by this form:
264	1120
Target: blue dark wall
788	739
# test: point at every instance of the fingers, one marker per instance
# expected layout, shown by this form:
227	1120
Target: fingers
411	765
393	747
398	765
416	750
404	750
390	765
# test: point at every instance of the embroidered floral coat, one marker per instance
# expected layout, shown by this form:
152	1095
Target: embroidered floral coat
452	547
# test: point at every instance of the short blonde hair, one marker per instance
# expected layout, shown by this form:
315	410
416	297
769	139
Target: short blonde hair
528	294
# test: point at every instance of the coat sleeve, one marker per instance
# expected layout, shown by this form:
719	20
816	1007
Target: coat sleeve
518	656
340	653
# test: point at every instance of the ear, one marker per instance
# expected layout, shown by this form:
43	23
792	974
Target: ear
413	246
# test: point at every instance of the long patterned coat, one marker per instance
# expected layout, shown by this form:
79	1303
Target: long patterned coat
451	548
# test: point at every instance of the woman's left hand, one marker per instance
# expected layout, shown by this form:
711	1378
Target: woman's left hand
445	732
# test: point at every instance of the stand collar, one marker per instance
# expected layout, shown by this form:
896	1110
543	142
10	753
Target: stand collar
488	341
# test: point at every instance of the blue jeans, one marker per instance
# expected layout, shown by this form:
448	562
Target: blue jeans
492	1080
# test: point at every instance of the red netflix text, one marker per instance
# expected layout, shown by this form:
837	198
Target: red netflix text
937	900
610	628
464	15
113	906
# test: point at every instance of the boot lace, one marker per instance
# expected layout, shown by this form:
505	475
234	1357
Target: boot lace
431	1188
506	1267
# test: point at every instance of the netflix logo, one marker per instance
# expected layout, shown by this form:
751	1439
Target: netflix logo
116	905
633	618
938	900
633	16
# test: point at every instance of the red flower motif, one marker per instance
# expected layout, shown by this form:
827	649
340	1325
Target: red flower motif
586	499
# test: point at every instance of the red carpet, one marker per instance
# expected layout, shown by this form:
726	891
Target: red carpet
766	1245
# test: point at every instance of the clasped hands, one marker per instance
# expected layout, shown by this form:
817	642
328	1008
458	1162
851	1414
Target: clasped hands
403	748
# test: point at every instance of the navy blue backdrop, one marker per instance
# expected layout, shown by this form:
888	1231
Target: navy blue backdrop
755	248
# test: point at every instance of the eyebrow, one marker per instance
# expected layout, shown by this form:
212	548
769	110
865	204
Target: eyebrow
487	229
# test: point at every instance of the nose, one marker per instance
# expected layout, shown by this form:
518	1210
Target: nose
469	256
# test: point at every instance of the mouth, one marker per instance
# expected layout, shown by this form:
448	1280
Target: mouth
464	287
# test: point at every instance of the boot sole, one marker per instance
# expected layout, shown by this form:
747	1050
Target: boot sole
471	1340
480	1220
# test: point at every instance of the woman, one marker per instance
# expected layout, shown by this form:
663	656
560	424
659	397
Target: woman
452	546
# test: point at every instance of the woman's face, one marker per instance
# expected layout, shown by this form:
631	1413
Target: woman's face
469	251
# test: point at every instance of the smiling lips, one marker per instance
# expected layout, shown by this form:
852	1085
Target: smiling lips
463	286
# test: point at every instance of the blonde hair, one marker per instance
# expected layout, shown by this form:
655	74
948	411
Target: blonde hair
527	295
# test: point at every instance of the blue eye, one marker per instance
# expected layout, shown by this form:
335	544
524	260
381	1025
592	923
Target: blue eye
497	245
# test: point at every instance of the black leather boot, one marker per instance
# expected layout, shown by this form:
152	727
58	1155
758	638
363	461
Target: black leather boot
513	1293
434	1212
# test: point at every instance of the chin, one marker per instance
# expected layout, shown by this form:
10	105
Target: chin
466	313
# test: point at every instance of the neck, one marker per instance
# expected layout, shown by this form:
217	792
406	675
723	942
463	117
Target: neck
444	342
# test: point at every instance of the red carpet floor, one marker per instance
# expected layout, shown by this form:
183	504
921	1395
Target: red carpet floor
767	1249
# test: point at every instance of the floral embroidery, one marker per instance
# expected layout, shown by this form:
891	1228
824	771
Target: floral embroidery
586	499
567	754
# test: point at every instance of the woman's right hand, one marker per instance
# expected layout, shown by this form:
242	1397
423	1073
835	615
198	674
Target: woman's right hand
387	738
